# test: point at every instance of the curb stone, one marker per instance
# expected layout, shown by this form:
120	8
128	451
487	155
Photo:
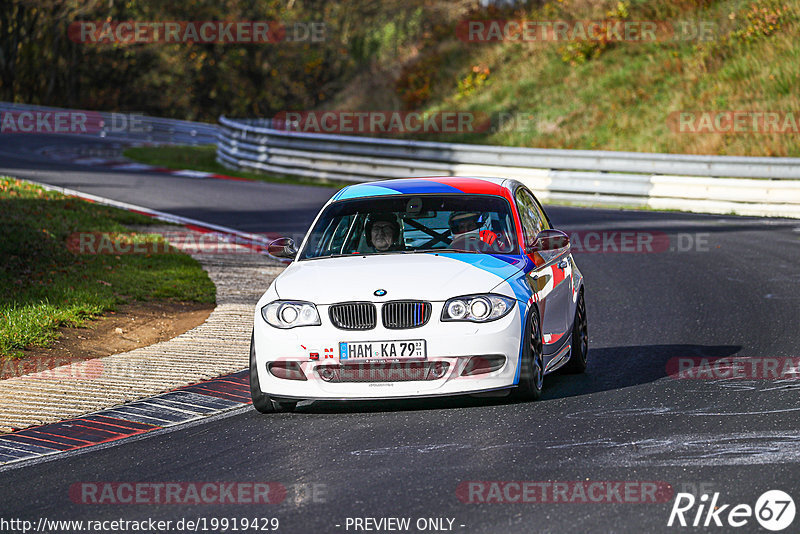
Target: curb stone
217	347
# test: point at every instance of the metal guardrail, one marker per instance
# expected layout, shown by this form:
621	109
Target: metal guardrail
718	184
117	126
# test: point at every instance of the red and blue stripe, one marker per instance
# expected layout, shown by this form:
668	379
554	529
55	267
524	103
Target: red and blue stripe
421	186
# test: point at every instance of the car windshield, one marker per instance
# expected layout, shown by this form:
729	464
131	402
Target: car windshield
401	224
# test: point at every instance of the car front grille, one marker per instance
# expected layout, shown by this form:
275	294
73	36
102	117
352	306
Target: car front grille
403	314
353	315
383	372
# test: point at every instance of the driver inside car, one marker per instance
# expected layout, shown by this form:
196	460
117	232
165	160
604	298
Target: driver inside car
383	233
467	235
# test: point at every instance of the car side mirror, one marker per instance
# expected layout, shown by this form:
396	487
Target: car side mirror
549	240
283	247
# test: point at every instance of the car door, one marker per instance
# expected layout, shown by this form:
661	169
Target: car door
551	279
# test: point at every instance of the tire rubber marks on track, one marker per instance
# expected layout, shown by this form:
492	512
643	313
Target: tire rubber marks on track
120	163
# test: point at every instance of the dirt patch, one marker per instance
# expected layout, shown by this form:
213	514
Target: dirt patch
132	326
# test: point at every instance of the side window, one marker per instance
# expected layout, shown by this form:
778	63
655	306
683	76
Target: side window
532	220
542	215
332	240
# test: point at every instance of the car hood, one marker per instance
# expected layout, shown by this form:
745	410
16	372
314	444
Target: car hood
423	276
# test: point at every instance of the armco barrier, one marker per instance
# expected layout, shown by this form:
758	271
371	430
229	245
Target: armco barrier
714	184
121	126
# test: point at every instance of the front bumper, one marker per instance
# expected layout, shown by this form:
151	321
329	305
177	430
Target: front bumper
451	343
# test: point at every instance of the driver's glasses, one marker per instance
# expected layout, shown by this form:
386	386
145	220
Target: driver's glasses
465	226
384	228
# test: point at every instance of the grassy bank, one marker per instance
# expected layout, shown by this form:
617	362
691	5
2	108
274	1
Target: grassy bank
607	95
44	285
712	60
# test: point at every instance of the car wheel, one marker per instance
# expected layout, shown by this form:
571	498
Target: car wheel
261	402
532	373
580	340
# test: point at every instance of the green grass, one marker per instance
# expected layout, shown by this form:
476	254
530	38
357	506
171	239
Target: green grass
203	158
44	285
621	99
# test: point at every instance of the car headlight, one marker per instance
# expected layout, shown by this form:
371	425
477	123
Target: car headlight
477	308
290	313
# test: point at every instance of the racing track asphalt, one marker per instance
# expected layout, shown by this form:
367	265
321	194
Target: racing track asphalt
624	420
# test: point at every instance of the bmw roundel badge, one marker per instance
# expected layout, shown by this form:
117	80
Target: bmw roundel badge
379	292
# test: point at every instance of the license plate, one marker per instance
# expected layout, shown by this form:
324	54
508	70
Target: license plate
383	350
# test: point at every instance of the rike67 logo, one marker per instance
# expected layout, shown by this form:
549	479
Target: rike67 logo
774	510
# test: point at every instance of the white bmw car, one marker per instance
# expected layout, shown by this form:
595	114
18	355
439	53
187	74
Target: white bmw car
420	287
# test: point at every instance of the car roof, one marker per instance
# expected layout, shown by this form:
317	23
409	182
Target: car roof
429	184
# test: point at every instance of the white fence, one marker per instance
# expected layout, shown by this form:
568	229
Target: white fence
712	184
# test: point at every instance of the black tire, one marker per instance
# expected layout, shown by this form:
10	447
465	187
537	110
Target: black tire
261	402
579	352
531	378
